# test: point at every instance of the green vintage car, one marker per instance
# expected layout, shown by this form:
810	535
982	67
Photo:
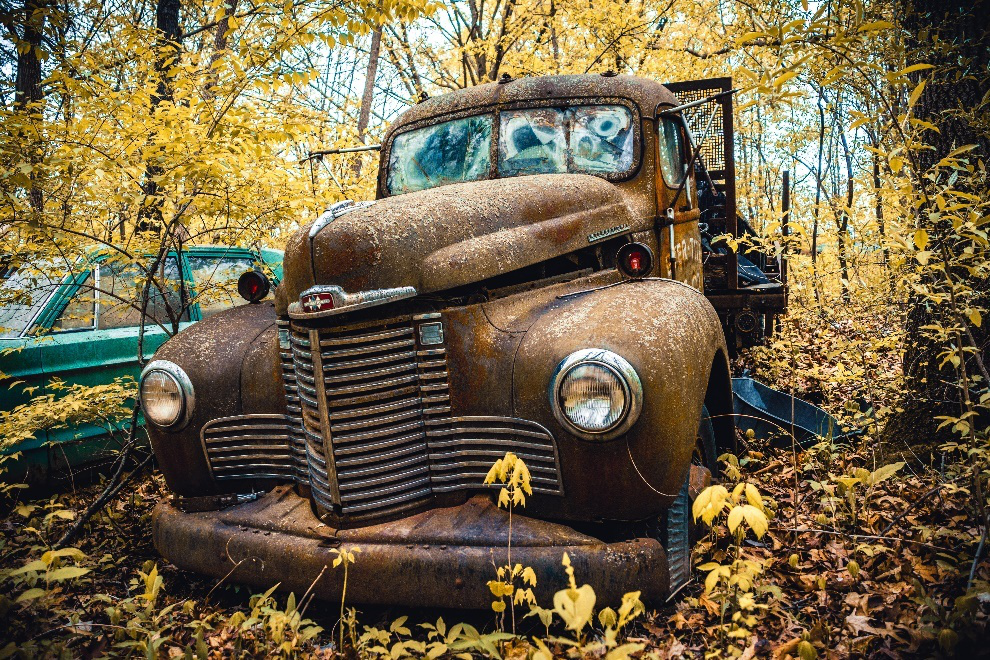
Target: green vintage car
82	327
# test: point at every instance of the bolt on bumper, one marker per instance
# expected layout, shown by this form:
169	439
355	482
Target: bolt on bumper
438	558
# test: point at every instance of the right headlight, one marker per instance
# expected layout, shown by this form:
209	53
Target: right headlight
596	394
167	396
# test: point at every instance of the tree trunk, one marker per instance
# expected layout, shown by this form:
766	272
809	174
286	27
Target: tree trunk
168	44
958	82
844	212
219	46
28	95
364	116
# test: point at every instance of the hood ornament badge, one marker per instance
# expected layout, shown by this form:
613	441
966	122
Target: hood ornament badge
328	299
334	212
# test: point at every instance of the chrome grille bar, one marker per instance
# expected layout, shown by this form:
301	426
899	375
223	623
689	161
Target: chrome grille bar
375	407
249	447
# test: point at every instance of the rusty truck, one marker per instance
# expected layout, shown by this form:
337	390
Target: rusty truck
539	273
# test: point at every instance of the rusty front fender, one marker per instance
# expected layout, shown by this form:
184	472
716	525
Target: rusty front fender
671	335
212	353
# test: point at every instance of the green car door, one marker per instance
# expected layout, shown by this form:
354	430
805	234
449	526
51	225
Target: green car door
86	332
94	338
24	295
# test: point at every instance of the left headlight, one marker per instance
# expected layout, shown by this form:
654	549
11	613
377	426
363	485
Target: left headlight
596	394
167	396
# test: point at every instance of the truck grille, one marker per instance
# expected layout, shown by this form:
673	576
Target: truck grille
296	435
380	438
249	447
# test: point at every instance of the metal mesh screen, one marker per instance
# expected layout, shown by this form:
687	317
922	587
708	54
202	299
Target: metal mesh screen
713	149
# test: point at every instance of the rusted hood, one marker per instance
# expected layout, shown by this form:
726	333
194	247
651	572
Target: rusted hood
457	234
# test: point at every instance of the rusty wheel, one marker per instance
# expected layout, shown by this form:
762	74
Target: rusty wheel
680	530
704	448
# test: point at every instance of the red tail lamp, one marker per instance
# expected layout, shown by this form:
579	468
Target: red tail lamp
634	260
253	286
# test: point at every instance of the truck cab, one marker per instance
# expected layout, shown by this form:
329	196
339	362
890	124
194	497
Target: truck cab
531	278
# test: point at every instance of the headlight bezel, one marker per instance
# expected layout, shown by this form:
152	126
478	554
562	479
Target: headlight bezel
627	376
186	391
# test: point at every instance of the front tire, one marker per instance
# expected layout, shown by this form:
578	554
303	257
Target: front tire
680	532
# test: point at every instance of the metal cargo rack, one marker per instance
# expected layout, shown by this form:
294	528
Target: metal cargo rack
747	310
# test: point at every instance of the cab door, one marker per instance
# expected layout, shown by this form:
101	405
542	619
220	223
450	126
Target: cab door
680	232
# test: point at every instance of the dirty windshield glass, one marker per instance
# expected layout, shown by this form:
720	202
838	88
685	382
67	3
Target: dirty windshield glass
584	139
458	150
22	295
532	141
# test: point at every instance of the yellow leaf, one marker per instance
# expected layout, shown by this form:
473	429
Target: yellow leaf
753	496
756	520
916	94
875	25
750	36
976	318
921	239
575	606
67	573
735	517
779	82
30	594
913	68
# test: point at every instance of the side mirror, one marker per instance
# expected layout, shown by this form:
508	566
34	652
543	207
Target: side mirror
253	286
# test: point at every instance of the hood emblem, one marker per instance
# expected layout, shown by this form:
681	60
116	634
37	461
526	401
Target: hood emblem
328	299
334	212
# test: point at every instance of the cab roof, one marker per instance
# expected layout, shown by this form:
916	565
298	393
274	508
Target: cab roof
643	92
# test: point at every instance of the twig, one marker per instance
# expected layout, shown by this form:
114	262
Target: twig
224	578
114	484
976	559
914	505
873	537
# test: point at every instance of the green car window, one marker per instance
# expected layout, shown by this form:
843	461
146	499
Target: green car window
23	294
215	279
120	296
80	312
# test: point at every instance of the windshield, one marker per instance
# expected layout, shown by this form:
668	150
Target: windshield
22	295
458	150
585	139
591	139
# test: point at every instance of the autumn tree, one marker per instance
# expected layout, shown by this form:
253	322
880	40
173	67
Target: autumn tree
944	324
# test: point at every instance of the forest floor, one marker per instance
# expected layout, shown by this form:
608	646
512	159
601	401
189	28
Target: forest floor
859	560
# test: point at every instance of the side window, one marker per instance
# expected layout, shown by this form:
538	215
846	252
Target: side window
532	142
672	161
80	312
215	279
121	286
23	295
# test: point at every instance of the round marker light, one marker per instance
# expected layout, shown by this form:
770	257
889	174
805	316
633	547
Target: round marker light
166	394
634	260
253	286
596	394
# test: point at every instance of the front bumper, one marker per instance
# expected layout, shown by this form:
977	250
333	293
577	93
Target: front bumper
438	558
